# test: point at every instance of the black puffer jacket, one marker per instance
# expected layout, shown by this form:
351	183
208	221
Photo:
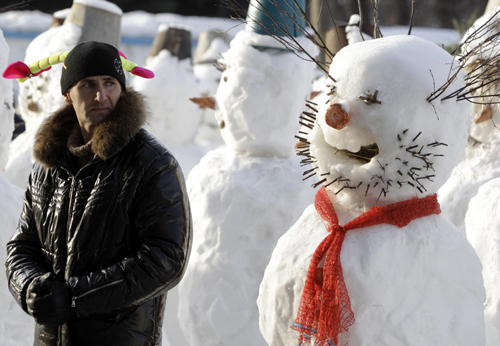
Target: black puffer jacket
118	230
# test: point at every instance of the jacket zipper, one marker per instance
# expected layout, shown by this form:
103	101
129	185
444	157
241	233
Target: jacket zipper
73	300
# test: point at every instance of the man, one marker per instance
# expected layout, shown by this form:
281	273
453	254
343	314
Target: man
106	225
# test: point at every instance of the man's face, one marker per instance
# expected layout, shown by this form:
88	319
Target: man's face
93	99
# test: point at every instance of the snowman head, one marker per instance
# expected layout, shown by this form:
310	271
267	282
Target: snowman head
262	90
378	140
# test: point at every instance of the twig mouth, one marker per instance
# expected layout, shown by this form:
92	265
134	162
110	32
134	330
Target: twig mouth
364	155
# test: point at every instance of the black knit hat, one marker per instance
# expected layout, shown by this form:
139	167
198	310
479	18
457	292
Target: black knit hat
91	59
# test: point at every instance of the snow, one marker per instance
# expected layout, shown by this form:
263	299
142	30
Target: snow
7	107
483	231
479	166
415	285
101	5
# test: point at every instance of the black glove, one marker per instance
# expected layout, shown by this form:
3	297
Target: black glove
49	301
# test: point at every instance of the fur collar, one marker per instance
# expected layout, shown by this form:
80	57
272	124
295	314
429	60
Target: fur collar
108	139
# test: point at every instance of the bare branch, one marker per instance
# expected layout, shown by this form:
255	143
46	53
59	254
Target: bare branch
17	6
410	26
376	28
480	61
360	20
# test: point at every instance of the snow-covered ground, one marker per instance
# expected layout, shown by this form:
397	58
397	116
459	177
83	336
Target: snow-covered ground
138	31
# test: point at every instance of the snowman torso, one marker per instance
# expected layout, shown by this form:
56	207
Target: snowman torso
483	232
408	286
242	206
481	164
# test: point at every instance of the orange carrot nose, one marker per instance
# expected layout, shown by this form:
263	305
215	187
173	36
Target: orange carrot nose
337	117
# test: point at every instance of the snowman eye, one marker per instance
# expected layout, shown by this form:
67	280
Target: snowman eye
370	98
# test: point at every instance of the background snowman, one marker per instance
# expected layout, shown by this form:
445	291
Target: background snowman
392	271
482	161
477	178
244	194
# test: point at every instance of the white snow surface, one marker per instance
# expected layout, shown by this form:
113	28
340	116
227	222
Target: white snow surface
416	285
6	106
419	143
101	5
483	232
261	94
241	205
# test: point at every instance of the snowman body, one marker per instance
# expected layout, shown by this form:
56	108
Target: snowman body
378	142
416	285
244	195
483	224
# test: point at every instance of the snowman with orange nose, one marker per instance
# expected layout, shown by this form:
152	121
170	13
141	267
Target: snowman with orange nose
372	261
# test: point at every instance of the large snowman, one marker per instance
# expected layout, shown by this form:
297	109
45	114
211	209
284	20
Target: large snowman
392	271
482	161
244	194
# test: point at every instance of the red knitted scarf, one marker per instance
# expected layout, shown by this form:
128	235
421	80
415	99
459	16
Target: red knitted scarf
325	308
